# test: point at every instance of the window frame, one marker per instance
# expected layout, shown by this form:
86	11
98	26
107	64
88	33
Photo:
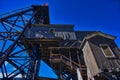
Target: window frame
113	55
52	29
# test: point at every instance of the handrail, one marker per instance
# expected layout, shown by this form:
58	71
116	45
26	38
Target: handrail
73	62
68	62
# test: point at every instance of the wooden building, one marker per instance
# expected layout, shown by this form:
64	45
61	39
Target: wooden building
93	54
101	55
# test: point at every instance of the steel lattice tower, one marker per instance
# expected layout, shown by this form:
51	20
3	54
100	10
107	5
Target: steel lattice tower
23	54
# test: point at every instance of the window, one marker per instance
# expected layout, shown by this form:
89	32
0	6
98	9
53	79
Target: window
52	30
106	50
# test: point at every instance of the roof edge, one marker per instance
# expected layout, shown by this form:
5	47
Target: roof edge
95	34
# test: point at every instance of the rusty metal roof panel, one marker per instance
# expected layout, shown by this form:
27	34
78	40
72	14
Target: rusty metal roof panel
70	43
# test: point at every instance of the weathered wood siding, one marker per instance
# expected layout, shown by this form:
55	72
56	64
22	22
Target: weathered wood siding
90	60
103	62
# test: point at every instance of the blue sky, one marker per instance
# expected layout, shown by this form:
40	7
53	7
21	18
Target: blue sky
98	15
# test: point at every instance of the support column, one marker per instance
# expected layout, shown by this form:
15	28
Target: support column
35	62
78	57
79	74
60	71
70	58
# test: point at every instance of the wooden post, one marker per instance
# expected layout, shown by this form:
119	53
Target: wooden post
70	58
60	71
78	58
50	54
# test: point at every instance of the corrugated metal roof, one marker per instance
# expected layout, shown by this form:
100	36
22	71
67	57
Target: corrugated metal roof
70	43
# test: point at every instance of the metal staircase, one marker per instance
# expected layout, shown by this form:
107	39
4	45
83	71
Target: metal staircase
70	64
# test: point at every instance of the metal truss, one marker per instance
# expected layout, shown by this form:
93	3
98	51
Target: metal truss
15	60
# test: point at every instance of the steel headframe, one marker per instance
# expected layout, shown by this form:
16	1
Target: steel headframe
14	58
